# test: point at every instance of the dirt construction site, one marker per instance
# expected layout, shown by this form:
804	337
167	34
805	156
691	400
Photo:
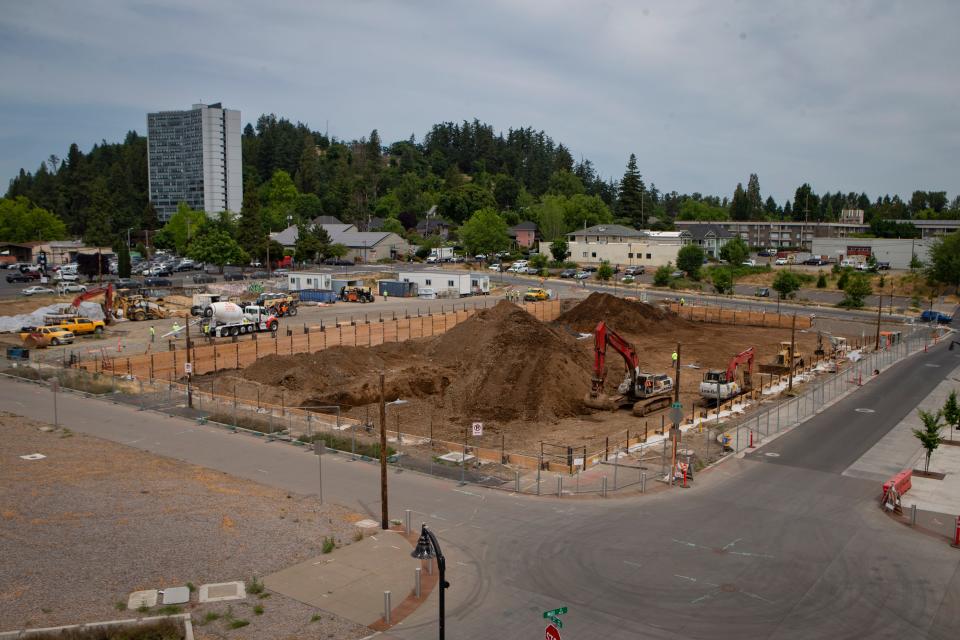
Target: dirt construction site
525	379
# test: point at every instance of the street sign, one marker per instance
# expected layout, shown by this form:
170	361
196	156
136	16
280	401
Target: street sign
55	385
557	622
676	413
319	447
188	367
554	612
551	633
477	429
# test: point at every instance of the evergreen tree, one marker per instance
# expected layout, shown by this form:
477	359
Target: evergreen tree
740	205
630	196
123	261
754	199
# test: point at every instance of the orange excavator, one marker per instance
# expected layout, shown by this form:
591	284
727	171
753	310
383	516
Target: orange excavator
642	392
106	291
723	384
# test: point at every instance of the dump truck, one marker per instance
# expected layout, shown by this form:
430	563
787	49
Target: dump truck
781	364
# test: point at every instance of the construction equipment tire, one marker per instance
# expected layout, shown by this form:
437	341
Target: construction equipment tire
292	312
274	326
196	310
208	312
98	331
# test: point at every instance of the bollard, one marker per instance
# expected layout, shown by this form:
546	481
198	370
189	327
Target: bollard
406	522
643	482
603	486
416	582
386	607
517	480
913	515
559	486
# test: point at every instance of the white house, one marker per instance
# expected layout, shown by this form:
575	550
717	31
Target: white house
622	246
449	284
300	280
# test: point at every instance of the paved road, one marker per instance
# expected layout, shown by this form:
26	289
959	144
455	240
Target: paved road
755	550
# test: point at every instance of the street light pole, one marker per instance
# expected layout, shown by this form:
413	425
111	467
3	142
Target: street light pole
428	547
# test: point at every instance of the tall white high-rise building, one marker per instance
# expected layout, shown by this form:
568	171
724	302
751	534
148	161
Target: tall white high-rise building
195	157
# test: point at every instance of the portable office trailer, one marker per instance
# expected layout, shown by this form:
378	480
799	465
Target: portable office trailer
397	288
449	283
301	280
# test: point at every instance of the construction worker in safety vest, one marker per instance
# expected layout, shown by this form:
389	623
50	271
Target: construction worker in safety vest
682	302
153	333
674	357
386	295
176	327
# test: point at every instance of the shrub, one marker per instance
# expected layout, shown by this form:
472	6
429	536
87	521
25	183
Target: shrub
329	544
342	443
661	277
822	281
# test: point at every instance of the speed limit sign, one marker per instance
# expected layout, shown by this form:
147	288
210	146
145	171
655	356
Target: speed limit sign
477	429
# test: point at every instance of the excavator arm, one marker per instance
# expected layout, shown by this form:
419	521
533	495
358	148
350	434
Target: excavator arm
744	357
603	337
106	292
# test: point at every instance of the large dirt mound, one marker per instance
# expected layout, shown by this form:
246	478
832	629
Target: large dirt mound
623	316
501	364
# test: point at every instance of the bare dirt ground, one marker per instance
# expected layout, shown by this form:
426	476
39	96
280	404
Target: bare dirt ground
525	379
94	520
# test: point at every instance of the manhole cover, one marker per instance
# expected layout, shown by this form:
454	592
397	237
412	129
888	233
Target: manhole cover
864	410
33	456
772	455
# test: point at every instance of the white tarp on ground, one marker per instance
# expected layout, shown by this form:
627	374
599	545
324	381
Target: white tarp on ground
90	310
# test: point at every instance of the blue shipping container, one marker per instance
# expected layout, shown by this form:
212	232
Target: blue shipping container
317	295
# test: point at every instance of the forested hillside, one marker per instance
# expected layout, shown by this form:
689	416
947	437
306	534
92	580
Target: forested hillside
293	173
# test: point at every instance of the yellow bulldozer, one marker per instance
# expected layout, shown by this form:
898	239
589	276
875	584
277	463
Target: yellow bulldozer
781	364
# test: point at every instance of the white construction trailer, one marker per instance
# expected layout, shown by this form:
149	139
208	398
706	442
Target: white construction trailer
449	284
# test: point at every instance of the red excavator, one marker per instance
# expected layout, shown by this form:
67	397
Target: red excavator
643	392
723	385
106	291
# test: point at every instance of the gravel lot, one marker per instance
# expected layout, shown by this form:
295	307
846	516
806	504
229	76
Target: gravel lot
94	520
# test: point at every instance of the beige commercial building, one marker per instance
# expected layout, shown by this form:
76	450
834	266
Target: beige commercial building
622	246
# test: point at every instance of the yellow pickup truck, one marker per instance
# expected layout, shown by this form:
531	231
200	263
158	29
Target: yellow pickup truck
536	295
82	326
39	337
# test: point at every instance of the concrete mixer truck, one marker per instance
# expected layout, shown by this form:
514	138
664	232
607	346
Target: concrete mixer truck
229	319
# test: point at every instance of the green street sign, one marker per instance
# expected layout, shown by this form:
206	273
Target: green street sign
554	612
556	622
677	405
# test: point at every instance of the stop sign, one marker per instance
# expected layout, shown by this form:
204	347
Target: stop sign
551	633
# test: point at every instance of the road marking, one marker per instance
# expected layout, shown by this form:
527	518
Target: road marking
433	515
929	364
751	555
753	595
632	564
684	577
475	495
864	410
772	455
730	544
263	471
702	598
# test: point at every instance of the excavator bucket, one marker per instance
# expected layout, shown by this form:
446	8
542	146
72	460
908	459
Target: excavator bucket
599	401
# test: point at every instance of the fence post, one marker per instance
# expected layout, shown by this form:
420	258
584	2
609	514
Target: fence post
559	485
386	607
516	480
643	482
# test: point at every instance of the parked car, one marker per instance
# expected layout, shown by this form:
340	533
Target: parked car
781	261
935	316
590	268
36	291
259	275
815	262
749	263
158	282
72	287
203	278
228	277
127	283
66	276
23	276
635	270
480	256
568	273
883	266
766	253
581	275
280	273
185	265
531	271
496	267
762	292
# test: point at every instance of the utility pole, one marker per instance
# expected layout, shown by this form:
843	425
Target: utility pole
876	346
675	431
186	323
384	516
793	333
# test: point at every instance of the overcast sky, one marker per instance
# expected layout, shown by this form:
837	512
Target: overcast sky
861	96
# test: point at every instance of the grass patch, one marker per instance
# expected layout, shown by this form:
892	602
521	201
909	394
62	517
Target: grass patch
92	383
248	422
329	544
316	617
158	630
169	610
190	587
208	617
342	443
258	609
120	605
255	587
238	623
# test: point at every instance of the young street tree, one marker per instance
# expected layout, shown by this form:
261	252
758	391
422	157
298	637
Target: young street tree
689	260
661	277
951	412
785	283
929	435
605	271
722	281
856	290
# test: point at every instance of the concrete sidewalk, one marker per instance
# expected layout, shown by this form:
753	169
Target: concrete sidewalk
351	580
900	449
